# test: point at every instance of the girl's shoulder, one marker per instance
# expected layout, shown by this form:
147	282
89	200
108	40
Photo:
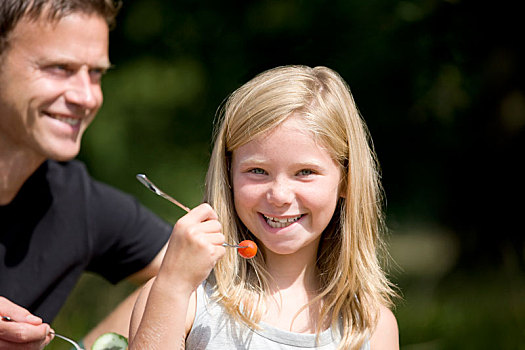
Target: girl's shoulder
386	334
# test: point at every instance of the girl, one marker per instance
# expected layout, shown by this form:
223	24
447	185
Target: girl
291	169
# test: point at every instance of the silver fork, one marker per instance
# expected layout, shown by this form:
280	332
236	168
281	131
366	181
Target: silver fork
77	347
153	188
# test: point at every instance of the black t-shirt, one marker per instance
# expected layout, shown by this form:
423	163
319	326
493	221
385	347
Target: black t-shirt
62	223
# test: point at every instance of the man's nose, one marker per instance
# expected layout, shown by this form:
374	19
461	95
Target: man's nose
280	192
82	91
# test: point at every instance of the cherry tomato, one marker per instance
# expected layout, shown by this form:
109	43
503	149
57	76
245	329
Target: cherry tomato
250	250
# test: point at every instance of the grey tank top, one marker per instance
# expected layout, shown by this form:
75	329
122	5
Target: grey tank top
214	329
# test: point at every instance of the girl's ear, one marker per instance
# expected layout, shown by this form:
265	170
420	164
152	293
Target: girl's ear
342	189
344	181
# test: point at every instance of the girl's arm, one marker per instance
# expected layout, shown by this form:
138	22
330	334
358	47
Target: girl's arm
162	327
162	316
386	335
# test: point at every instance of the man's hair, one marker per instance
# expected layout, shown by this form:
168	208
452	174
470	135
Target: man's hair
12	11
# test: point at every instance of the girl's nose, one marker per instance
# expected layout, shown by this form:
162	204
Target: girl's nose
280	193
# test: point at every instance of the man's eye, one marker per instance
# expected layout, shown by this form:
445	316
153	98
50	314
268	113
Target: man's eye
58	69
97	74
257	171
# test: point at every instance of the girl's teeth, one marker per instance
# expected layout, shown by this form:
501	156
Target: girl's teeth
280	223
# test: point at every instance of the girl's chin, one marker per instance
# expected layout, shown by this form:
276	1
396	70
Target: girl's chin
280	248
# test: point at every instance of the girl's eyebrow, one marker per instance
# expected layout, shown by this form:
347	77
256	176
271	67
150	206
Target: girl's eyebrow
254	160
257	161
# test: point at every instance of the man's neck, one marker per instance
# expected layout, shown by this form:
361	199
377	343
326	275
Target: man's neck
16	166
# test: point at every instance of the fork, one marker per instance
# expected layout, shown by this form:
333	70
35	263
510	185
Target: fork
153	188
75	344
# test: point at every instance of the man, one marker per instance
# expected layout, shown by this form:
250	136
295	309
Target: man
55	221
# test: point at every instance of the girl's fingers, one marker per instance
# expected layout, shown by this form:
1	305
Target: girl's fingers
194	248
197	226
208	227
203	212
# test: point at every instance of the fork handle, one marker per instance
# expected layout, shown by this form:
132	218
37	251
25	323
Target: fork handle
77	347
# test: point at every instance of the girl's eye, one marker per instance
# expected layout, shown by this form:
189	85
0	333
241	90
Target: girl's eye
305	172
257	171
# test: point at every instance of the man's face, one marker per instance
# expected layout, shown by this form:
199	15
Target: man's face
50	84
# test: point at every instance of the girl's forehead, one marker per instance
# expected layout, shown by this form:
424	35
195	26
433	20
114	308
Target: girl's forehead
288	142
290	131
294	131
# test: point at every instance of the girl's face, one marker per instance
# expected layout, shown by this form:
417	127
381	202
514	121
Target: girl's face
285	187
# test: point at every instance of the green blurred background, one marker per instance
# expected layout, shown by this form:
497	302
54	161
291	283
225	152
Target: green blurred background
441	86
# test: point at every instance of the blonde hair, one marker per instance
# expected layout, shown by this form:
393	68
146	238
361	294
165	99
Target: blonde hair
353	285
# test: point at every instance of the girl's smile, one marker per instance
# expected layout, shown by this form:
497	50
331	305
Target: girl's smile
276	222
285	186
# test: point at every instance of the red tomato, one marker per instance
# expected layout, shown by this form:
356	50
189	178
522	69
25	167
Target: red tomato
250	250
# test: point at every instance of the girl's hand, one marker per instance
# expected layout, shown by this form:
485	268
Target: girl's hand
194	248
